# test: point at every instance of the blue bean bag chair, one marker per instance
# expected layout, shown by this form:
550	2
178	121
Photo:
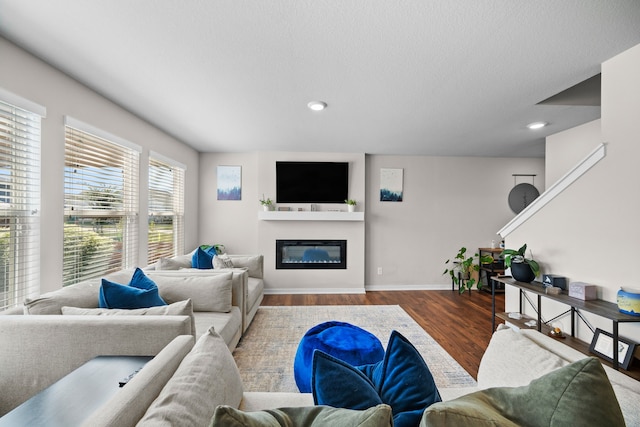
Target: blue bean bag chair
341	340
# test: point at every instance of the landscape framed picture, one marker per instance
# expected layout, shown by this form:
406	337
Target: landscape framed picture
602	345
229	183
391	185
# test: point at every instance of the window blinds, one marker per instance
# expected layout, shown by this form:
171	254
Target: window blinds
100	203
19	204
166	208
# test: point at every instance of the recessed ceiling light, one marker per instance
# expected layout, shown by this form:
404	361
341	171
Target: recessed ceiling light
317	105
537	125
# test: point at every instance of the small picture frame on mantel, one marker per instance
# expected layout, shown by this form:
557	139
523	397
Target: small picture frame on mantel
602	345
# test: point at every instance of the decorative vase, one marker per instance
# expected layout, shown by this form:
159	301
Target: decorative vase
629	301
351	208
521	271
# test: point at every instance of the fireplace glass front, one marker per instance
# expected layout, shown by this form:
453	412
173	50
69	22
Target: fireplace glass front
311	254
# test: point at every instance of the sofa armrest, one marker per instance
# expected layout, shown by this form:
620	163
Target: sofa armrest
38	350
253	263
128	406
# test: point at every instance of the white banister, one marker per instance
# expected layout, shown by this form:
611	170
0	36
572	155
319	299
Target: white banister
558	187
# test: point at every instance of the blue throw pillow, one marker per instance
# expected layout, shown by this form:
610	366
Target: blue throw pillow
141	292
402	380
203	257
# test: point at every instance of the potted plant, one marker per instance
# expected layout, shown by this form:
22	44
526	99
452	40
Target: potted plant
351	204
267	203
462	268
523	269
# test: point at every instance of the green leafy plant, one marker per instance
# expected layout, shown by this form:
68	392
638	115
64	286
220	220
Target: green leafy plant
512	256
266	202
462	266
351	202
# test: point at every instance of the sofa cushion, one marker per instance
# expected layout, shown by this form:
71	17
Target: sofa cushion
141	292
513	360
181	308
222	261
208	292
577	394
227	325
206	378
316	416
84	294
203	257
401	380
253	263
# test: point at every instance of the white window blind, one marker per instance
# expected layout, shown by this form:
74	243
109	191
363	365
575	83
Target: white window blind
101	204
166	208
19	204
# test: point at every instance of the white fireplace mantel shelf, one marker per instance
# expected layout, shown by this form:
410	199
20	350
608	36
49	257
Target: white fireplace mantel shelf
310	216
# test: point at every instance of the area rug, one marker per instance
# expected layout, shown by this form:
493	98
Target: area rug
266	352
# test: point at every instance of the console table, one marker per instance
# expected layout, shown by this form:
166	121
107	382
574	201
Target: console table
601	308
70	400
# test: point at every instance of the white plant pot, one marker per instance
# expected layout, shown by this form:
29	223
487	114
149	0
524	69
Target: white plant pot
351	208
265	207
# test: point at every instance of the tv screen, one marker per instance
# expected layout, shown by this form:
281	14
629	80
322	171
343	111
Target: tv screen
312	182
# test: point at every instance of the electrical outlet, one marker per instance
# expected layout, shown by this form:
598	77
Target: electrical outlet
379	271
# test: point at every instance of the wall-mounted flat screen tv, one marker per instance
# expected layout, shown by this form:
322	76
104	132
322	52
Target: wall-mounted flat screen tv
312	182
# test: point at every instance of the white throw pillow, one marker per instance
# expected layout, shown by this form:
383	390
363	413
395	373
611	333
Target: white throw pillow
211	292
222	261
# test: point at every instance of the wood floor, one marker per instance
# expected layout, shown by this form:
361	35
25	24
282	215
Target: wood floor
460	323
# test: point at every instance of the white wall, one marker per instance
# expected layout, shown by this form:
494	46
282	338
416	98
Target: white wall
564	150
31	78
590	232
448	202
235	223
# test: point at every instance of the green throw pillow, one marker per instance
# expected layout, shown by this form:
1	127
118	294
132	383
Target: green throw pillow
316	416
578	394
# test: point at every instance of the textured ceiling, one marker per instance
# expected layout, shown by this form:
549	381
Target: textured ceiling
431	77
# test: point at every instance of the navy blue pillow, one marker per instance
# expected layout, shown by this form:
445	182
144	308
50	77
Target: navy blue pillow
402	380
203	257
141	292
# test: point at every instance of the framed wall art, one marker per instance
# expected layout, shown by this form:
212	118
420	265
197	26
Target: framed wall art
602	345
229	183
391	185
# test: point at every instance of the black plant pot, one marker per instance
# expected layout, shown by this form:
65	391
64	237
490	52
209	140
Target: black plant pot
521	271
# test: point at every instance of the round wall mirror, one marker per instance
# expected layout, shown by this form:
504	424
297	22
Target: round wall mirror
521	196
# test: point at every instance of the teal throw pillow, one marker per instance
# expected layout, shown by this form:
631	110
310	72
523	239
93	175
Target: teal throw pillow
203	257
578	394
141	292
401	380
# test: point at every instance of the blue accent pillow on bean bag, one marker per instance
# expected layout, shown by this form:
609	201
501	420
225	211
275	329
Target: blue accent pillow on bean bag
401	380
141	292
203	257
342	340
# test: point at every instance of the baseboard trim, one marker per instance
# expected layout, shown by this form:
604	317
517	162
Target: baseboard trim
371	288
423	287
299	291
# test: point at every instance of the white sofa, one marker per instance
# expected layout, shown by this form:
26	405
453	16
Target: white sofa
164	392
253	278
512	359
216	301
